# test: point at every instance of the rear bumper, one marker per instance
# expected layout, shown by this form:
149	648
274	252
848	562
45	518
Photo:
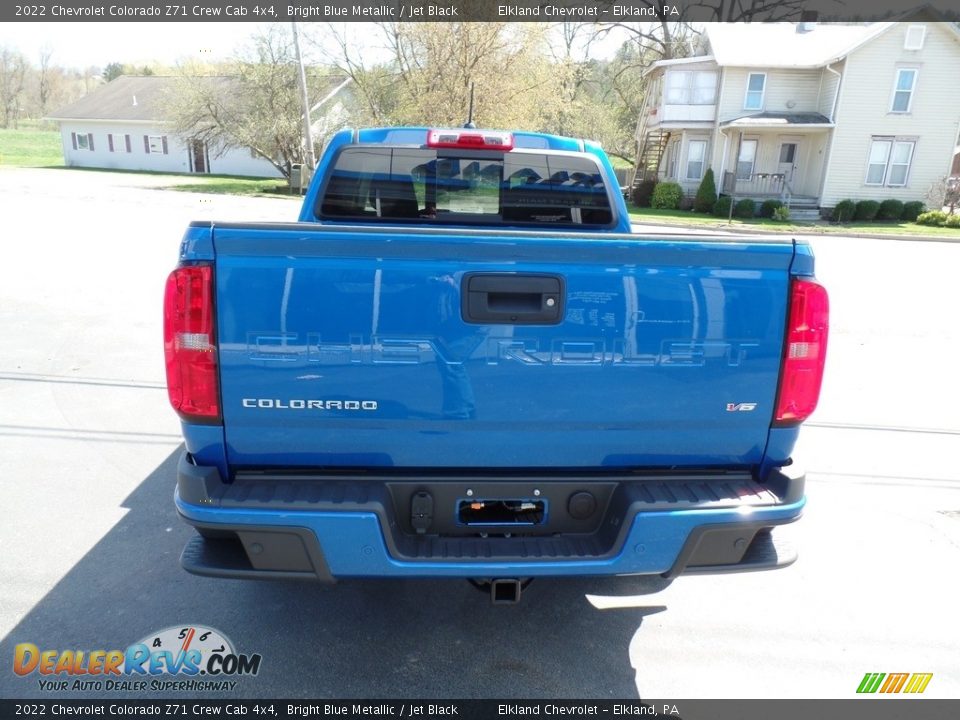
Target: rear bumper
273	526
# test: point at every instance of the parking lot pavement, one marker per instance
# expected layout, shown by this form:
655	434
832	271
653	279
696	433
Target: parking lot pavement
89	551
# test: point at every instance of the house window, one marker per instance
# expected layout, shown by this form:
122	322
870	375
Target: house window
889	162
914	37
119	142
678	85
704	88
900	163
746	159
903	90
155	144
756	86
82	141
696	159
689	87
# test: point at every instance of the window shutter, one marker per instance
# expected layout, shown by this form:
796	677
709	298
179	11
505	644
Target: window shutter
166	150
146	144
110	141
73	139
127	138
90	140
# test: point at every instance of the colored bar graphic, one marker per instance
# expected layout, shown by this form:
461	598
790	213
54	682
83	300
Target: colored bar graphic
895	682
918	683
870	682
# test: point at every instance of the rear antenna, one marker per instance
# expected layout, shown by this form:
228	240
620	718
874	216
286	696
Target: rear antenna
469	124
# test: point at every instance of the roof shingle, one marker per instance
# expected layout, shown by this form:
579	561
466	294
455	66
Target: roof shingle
129	97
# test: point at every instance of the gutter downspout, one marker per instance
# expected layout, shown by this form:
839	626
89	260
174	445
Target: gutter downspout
721	76
833	119
723	157
836	94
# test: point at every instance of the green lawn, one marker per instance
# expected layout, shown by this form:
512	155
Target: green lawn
30	148
228	185
32	145
691	219
213	184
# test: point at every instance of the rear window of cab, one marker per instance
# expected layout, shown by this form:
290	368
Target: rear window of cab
456	186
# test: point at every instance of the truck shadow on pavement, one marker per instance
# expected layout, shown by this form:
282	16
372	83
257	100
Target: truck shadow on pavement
355	639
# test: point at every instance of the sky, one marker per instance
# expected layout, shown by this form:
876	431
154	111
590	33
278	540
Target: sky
84	44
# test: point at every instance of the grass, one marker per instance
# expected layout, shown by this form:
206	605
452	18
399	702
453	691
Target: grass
687	218
34	145
30	147
211	184
229	185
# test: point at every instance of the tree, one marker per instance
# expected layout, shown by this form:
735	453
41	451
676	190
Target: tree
113	71
752	10
576	71
589	105
664	39
255	104
526	76
45	80
706	193
375	86
432	67
13	74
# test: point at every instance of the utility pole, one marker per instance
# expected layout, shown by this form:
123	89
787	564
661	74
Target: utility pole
307	132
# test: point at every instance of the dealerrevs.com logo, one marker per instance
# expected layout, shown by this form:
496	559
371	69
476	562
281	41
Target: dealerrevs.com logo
181	658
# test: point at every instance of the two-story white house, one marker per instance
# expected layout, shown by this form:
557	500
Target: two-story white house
813	113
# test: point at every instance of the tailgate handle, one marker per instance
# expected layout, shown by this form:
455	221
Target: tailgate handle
512	299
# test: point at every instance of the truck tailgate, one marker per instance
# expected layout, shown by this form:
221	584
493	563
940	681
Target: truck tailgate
346	347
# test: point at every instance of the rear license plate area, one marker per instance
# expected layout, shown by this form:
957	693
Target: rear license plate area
500	512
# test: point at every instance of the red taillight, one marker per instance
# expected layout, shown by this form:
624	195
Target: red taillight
189	343
805	352
474	139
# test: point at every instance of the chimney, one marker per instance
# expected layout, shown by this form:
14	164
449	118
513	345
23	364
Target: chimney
808	21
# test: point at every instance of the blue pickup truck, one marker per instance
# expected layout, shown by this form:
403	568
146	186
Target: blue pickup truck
461	362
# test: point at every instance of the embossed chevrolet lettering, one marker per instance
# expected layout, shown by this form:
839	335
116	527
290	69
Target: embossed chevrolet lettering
527	351
300	404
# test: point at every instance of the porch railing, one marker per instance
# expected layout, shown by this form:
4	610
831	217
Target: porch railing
786	194
772	185
761	184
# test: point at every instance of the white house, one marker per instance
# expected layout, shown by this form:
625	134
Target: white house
122	125
813	113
